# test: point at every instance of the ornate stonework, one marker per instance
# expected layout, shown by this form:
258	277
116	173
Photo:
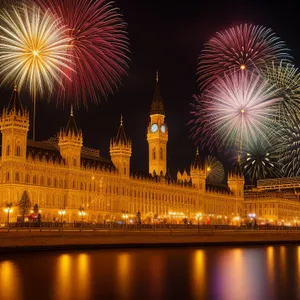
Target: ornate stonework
61	173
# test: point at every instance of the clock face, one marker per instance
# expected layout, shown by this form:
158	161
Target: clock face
154	127
163	128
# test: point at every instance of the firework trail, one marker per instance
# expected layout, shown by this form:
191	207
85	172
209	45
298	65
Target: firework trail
238	49
100	47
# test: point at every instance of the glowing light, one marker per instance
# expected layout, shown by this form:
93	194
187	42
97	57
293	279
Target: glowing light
100	47
243	47
33	49
219	118
215	170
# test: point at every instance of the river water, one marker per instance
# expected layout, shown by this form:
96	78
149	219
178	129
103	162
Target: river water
219	273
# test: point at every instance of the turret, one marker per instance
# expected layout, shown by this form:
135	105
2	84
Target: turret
120	151
198	175
157	134
14	125
70	142
236	182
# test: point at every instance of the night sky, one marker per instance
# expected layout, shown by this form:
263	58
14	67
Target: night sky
168	36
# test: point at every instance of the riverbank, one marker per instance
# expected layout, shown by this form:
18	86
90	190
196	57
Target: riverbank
14	241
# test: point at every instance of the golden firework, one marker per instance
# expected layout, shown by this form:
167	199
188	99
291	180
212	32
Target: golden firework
33	50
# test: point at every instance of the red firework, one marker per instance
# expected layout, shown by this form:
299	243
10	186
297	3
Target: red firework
100	47
239	48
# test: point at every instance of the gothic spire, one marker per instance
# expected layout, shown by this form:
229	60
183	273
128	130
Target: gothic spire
197	162
121	136
71	126
15	104
157	106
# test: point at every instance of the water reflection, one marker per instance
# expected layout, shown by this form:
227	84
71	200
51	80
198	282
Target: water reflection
9	281
156	276
270	261
123	275
83	272
63	277
211	273
199	274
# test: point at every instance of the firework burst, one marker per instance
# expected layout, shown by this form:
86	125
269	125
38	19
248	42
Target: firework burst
289	146
33	50
234	109
260	159
238	49
286	78
214	170
100	46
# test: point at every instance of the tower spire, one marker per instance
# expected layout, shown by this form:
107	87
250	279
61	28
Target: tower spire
121	120
71	111
157	106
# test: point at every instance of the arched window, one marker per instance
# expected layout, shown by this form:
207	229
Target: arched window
153	153
55	182
17	177
18	150
7	176
34	179
81	186
42	180
124	170
74	162
48	181
160	153
8	150
27	178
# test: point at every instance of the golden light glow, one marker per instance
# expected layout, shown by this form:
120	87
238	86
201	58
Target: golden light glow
208	169
199	274
33	48
9	281
63	288
84	280
242	67
242	110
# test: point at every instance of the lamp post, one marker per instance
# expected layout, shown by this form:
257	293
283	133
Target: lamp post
8	209
61	212
125	216
198	216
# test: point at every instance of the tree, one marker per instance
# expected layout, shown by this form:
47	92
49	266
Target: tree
36	208
24	205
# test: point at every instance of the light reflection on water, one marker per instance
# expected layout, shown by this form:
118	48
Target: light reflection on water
179	273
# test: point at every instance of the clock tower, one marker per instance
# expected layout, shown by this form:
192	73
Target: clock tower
157	135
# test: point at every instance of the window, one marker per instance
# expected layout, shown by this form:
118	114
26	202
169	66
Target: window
17	177
27	178
18	150
124	170
8	150
42	180
74	162
34	179
160	153
153	153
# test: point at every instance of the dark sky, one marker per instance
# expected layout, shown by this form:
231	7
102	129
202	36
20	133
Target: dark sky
168	36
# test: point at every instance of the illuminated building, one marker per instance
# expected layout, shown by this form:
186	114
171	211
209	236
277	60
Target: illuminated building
63	174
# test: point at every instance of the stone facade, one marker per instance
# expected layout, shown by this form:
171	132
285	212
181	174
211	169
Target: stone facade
61	173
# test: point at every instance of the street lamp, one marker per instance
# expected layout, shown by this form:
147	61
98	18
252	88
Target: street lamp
61	212
82	214
125	216
8	209
198	217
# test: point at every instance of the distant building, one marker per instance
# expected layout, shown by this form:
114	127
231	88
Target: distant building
62	173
